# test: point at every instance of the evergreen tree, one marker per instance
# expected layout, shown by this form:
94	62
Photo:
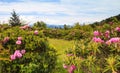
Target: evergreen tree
14	20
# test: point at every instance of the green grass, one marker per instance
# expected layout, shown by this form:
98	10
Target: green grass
61	46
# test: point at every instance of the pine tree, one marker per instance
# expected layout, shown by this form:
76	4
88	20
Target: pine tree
14	20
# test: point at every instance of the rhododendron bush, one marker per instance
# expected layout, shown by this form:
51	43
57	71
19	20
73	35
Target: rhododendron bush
25	51
100	54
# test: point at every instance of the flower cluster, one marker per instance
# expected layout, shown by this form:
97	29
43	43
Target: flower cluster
96	33
17	54
24	27
19	41
70	68
6	39
36	32
107	34
97	40
113	40
117	29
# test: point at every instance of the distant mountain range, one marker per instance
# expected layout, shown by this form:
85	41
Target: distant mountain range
54	26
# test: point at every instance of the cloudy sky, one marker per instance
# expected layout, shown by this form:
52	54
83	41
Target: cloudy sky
59	11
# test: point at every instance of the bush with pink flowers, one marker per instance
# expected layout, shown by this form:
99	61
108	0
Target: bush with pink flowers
100	54
26	52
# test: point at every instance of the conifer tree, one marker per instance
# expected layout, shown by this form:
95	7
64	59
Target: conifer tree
14	19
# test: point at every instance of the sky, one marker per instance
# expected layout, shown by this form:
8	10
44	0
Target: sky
59	12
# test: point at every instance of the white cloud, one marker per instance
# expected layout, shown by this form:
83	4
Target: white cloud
63	12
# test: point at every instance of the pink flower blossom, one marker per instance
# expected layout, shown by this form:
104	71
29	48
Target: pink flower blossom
12	57
24	27
18	42
16	51
6	39
108	42
107	33
97	40
36	32
69	55
72	68
96	33
19	38
111	23
18	55
113	40
117	29
65	66
23	51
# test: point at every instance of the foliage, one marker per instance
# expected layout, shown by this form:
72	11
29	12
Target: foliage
39	57
40	24
100	55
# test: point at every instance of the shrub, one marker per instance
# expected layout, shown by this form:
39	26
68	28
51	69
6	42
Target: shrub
26	52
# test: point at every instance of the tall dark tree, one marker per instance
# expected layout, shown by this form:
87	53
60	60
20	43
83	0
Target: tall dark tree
14	19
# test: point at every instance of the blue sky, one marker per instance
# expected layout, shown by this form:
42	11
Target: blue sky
59	11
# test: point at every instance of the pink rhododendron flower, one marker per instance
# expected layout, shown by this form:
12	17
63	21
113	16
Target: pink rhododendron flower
18	42
36	32
18	55
24	27
96	33
17	51
72	68
69	55
19	38
107	33
12	57
113	40
6	39
65	66
110	23
23	51
108	42
97	40
117	29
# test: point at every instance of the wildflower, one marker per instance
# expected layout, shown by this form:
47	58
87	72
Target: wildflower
69	55
113	40
23	51
36	32
6	39
97	40
117	29
12	57
111	23
108	42
19	38
65	66
24	27
17	54
18	42
96	33
107	33
72	68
